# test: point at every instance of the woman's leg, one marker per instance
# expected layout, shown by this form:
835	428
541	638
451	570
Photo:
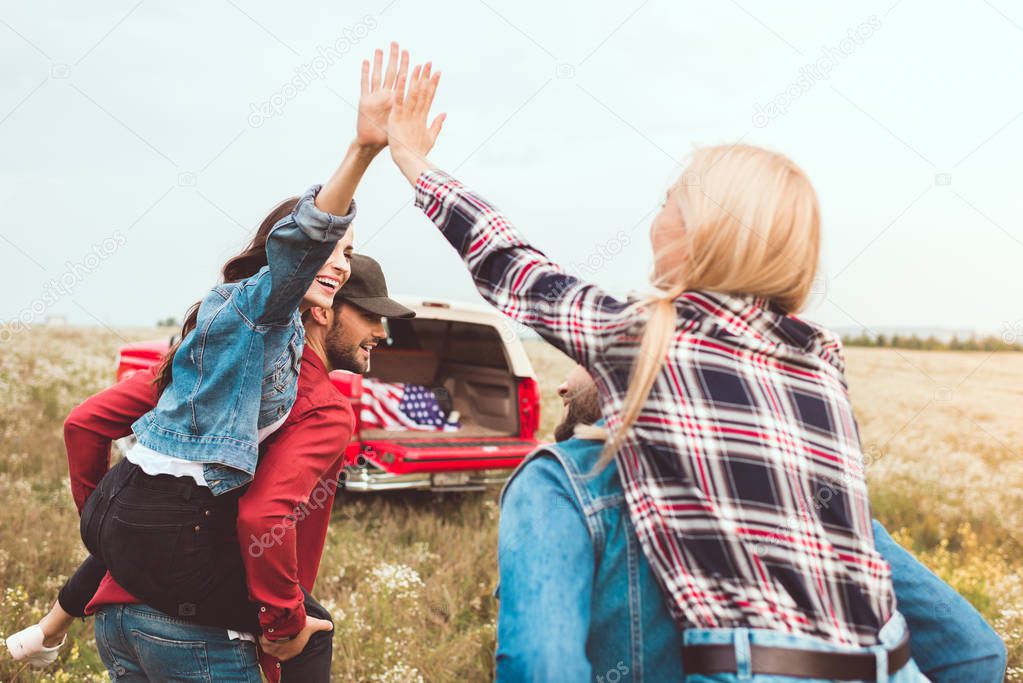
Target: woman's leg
79	589
70	605
71	601
313	663
39	644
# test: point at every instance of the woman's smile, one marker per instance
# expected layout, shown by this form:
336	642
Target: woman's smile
328	283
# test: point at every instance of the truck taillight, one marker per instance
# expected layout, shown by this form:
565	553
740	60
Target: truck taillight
350	385
347	383
122	370
529	407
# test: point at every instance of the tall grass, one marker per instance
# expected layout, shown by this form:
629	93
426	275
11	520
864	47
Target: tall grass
944	442
409	579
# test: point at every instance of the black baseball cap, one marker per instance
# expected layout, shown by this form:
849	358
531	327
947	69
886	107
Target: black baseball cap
367	289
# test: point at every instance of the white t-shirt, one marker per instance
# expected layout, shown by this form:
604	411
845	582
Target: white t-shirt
153	463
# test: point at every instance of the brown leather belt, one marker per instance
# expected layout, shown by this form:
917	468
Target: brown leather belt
783	661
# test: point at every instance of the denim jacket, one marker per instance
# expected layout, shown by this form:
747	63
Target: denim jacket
237	372
580	603
578	599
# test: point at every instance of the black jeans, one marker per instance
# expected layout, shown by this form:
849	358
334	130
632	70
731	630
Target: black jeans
79	589
172	544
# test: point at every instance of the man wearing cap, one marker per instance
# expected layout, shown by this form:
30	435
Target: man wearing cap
282	516
359	308
300	470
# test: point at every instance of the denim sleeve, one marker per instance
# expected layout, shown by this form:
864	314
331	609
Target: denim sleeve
546	563
296	249
949	639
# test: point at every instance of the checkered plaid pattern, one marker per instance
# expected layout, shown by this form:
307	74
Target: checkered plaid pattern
743	474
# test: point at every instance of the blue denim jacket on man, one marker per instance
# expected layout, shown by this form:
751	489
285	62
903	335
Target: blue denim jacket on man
578	601
237	372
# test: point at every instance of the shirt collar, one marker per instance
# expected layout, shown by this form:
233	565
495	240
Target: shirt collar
758	323
310	357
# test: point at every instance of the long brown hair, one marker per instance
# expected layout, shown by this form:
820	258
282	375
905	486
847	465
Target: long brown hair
246	264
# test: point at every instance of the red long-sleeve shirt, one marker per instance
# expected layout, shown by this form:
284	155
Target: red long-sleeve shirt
282	516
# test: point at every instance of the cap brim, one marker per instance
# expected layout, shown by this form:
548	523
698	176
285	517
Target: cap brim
382	306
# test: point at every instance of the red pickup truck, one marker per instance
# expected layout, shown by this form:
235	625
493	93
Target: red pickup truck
470	356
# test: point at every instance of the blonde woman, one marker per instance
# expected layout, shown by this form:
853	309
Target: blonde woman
730	419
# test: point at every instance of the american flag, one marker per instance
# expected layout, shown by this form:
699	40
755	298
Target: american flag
399	407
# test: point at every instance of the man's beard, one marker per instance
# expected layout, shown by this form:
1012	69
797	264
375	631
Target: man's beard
583	409
346	359
343	356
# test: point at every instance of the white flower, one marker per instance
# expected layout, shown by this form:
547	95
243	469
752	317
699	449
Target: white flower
397	580
400	673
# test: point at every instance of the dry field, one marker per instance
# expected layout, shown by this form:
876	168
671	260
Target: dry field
409	578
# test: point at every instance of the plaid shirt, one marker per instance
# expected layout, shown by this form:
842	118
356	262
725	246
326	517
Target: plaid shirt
743	474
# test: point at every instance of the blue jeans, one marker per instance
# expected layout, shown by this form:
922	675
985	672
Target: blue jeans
742	638
137	643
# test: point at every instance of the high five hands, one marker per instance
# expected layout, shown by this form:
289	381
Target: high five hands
409	135
391	114
377	96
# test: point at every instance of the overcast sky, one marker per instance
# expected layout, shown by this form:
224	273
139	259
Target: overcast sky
141	142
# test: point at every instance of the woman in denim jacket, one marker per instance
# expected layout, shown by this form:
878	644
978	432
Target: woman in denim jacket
229	383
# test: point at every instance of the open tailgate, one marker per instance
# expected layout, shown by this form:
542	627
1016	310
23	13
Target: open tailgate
438	455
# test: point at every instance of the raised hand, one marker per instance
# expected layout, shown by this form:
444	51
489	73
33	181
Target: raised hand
409	135
377	96
375	101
